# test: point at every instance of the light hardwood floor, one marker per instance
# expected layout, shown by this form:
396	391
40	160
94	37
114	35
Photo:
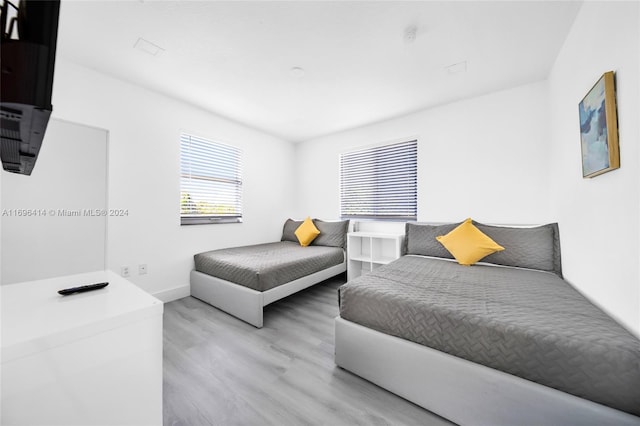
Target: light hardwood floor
219	370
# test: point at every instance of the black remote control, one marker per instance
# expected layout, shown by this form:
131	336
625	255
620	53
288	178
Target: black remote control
82	288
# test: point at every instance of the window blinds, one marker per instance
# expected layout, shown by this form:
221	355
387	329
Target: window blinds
380	182
210	181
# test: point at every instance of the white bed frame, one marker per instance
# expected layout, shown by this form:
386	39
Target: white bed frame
459	390
245	303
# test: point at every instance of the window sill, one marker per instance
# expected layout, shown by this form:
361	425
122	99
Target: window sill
380	218
209	220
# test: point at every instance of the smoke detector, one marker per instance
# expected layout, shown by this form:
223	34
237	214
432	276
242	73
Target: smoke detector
296	72
410	34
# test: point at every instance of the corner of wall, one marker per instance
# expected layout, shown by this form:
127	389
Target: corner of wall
175	293
602	212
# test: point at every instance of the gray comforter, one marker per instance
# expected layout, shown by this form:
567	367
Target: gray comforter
265	266
527	323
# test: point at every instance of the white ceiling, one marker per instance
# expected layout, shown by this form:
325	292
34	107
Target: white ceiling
235	58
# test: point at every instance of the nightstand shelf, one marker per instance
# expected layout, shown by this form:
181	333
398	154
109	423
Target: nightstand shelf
368	250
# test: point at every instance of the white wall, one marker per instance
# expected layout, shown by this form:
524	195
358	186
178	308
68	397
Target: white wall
54	235
485	158
144	129
599	217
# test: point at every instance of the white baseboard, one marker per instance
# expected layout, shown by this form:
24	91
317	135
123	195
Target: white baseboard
173	293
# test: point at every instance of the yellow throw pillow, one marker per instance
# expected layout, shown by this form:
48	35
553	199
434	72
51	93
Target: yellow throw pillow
307	232
468	244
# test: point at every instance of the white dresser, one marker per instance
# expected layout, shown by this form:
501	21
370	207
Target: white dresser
91	358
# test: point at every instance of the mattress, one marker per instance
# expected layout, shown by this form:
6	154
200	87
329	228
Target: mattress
265	266
528	323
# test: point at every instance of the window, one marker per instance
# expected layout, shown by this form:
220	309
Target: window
210	182
380	182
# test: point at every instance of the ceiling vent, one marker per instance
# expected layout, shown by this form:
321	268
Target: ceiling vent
457	68
148	47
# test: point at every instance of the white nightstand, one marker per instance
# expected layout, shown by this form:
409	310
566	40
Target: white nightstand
91	358
368	250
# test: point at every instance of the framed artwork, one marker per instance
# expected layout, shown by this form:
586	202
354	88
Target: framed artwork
599	128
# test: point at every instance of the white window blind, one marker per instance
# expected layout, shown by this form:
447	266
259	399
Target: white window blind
210	181
380	182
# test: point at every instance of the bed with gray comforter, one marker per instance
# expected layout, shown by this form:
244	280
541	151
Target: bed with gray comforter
526	322
262	267
243	280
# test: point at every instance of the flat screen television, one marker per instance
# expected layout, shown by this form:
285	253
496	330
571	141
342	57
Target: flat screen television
29	32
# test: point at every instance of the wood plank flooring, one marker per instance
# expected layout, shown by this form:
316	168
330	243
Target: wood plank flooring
219	370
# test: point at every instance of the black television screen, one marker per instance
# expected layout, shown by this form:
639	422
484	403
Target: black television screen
29	32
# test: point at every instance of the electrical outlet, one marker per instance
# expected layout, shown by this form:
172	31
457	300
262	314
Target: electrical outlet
124	271
142	269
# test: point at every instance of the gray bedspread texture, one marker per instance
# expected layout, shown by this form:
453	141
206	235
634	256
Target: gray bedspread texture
531	324
265	266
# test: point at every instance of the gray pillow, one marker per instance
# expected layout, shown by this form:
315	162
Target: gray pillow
332	234
421	239
289	230
533	248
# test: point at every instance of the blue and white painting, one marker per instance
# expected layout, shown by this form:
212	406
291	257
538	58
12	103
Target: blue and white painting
593	130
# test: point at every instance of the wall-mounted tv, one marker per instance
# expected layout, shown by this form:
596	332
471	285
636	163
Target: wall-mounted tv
29	30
